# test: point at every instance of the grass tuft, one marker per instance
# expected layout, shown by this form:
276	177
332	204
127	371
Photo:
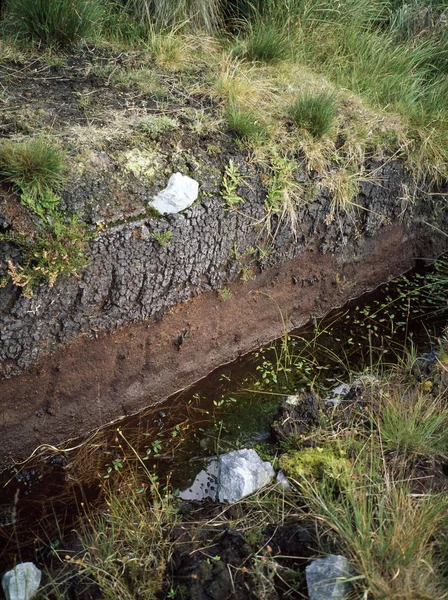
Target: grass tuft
51	22
414	427
315	112
35	166
266	42
243	122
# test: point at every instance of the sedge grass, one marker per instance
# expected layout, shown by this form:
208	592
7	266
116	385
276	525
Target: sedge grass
61	23
314	112
35	166
414	426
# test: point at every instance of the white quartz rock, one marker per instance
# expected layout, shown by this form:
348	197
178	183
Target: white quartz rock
22	582
179	194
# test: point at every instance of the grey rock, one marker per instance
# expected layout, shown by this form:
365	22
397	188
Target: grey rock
22	582
241	473
205	484
180	193
283	481
327	577
349	392
337	394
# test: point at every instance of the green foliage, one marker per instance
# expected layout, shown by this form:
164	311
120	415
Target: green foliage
125	546
244	122
59	248
54	22
266	41
414	426
163	238
316	463
166	15
224	294
315	112
230	183
388	535
37	168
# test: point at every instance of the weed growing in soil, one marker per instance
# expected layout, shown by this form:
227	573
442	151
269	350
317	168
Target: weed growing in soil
224	294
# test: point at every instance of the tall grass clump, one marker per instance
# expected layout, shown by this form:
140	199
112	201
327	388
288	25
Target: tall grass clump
166	15
36	167
54	22
414	427
267	41
315	112
125	546
389	536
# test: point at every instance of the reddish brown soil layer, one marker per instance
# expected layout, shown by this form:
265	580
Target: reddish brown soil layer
97	379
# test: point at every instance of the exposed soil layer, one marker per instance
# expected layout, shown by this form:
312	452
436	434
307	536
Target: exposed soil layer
98	378
144	320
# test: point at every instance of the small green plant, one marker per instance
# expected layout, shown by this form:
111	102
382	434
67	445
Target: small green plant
224	294
315	112
230	183
243	122
283	191
59	248
163	238
51	22
155	125
37	168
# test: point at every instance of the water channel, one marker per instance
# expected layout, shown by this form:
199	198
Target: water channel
232	407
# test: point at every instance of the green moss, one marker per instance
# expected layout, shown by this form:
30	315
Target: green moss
316	463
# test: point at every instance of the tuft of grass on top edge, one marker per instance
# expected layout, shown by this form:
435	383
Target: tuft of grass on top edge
244	122
35	166
315	112
54	23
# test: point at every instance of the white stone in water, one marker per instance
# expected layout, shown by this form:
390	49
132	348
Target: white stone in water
205	484
241	473
179	194
22	582
327	578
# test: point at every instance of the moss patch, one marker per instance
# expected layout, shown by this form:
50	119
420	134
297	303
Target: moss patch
316	463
